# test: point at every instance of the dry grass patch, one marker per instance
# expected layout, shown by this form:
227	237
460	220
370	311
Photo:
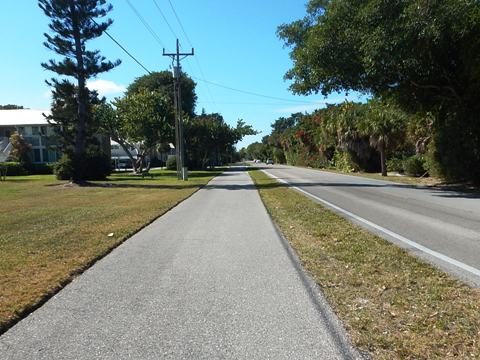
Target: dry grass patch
49	232
393	305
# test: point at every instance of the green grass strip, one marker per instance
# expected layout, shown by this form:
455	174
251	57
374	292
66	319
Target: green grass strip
393	305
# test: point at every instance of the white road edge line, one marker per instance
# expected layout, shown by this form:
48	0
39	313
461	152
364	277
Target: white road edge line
399	237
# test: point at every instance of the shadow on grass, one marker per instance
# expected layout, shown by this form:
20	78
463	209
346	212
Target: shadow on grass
14	179
152	181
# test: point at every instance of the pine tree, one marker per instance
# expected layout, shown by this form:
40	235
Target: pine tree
73	23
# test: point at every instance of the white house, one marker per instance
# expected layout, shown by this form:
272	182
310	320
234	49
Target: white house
120	158
35	129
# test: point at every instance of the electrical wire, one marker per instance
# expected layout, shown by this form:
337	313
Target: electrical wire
195	77
257	103
145	24
123	48
164	18
180	23
253	93
191	44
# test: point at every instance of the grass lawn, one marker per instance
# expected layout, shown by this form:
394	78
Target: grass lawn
393	305
50	232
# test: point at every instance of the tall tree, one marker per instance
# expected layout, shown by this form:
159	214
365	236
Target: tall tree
143	120
112	124
384	124
210	140
73	23
162	82
424	54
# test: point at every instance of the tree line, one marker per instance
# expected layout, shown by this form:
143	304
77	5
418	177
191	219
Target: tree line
373	137
419	61
143	118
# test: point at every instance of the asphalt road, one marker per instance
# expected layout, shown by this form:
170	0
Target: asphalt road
442	227
211	279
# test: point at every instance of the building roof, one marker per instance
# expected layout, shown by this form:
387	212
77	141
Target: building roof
23	117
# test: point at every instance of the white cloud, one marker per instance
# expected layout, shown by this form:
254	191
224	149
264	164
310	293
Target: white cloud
105	87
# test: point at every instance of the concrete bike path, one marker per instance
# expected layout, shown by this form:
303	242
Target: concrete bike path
211	279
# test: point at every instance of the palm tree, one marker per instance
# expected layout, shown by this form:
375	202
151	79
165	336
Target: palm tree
383	123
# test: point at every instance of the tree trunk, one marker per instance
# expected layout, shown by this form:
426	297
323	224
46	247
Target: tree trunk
138	166
79	174
383	159
205	161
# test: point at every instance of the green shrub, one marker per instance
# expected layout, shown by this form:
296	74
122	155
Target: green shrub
414	166
14	168
97	167
342	161
431	164
318	161
155	162
279	156
40	169
64	168
171	163
396	164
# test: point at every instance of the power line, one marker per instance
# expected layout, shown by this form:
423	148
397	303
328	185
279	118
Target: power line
145	24
203	78
207	81
180	23
125	50
164	18
200	85
190	43
258	103
251	92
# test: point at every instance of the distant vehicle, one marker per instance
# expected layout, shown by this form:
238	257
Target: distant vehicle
269	162
256	161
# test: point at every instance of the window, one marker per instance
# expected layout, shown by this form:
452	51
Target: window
52	156
35	141
45	155
35	130
36	156
21	130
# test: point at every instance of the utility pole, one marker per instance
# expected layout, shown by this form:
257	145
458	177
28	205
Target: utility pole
182	172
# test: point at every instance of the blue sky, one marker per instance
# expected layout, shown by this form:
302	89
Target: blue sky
235	45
